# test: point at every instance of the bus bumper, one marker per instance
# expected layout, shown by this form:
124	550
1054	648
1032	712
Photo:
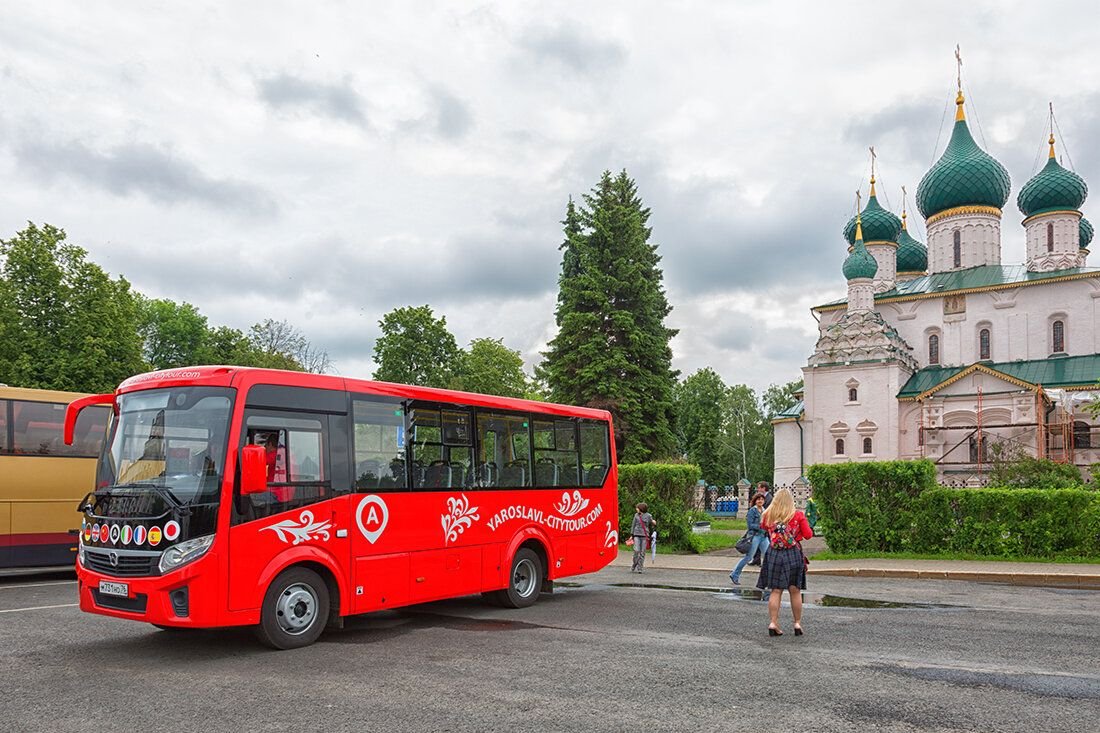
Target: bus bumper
186	597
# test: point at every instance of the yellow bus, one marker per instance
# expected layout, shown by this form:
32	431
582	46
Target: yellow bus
42	479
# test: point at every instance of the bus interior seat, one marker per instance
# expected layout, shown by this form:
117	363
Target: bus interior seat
488	474
458	475
368	474
514	474
438	475
546	472
595	475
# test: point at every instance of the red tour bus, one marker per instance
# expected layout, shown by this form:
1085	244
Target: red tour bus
232	496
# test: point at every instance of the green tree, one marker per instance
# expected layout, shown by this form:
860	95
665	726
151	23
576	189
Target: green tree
748	434
698	402
612	347
64	323
173	334
490	367
416	348
777	398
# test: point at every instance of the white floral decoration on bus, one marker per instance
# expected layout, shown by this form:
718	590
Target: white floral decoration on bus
571	505
460	515
300	531
612	538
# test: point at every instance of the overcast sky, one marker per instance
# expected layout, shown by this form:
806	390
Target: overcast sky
328	164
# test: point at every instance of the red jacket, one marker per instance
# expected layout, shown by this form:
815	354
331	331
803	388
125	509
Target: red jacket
798	522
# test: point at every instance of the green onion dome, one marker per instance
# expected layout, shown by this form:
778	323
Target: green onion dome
1085	228
1052	189
860	263
965	175
879	225
912	255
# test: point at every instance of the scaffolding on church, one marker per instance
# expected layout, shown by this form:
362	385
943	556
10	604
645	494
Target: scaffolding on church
965	452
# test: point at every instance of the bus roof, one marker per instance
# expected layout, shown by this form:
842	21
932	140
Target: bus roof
234	376
38	395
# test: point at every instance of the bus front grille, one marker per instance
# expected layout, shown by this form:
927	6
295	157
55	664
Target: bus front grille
128	564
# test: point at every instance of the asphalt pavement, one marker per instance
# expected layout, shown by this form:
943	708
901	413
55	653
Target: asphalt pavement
669	650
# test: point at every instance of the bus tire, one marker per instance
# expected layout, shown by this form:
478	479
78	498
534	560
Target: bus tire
524	582
294	611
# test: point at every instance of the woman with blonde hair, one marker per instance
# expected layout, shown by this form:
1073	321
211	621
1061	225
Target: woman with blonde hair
784	564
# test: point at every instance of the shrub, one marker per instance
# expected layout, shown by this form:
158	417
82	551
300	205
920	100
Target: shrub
1008	522
668	489
867	506
1026	472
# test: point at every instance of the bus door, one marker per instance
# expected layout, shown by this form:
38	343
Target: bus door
305	510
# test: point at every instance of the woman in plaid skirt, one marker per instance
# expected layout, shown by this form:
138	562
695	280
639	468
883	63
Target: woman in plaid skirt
784	564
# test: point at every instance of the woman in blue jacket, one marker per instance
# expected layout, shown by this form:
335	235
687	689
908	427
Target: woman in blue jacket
758	535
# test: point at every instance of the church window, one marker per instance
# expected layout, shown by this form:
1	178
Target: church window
1058	337
958	248
840	446
853	394
1050	237
1082	434
983	344
933	349
868	447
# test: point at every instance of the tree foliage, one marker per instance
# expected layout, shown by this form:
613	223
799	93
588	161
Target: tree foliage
64	323
416	348
490	367
612	347
698	402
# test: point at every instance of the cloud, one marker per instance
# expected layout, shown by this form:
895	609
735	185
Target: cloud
447	116
141	169
337	101
573	49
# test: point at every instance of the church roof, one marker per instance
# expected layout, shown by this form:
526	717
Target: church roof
983	277
1056	372
790	413
1052	189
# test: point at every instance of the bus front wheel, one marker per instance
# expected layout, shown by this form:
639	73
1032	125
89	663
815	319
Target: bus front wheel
524	582
295	610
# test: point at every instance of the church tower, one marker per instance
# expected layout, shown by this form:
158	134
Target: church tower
1057	234
961	198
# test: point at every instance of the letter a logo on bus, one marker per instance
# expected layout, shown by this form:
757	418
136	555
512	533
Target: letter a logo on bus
372	517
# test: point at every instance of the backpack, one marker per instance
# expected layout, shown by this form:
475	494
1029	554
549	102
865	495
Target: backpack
782	536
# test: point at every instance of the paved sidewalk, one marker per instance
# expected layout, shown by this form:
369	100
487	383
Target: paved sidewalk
1058	575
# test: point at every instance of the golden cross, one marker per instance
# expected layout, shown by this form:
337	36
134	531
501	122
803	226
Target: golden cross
959	61
872	148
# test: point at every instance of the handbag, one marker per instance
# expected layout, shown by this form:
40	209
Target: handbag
744	544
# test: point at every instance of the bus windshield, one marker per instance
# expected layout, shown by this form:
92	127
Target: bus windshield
172	441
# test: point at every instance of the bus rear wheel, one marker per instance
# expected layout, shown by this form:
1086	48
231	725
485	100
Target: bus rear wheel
295	610
524	582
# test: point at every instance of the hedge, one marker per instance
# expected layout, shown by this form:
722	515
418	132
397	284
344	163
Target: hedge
897	506
668	489
867	506
1008	522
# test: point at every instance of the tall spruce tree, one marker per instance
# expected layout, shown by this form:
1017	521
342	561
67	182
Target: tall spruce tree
612	347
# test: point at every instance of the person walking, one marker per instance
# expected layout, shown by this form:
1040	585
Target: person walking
764	489
756	532
784	564
641	529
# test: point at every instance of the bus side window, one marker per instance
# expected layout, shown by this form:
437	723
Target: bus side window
4	447
378	435
595	452
298	462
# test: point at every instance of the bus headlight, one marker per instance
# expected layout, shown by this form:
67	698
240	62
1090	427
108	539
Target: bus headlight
80	551
185	552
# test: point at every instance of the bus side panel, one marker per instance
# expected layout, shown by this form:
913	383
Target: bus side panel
5	535
382	581
40	536
455	571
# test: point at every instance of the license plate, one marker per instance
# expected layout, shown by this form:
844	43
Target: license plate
114	589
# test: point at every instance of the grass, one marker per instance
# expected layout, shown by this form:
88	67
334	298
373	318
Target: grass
701	543
728	523
830	555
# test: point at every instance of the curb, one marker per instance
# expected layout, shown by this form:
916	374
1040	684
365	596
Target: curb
1039	579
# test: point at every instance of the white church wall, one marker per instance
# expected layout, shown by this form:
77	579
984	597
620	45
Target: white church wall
788	455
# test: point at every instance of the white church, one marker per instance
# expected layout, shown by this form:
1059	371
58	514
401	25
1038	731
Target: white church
944	352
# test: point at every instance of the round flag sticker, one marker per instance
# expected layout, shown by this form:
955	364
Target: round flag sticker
87	533
104	533
115	533
171	530
154	536
95	532
127	534
139	535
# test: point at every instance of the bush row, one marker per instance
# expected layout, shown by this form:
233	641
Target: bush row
896	506
668	489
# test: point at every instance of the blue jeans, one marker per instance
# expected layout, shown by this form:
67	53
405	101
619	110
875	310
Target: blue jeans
759	542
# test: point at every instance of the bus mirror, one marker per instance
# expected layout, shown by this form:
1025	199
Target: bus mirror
253	470
74	408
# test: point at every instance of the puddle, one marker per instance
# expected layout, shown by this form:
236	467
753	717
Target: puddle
816	599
